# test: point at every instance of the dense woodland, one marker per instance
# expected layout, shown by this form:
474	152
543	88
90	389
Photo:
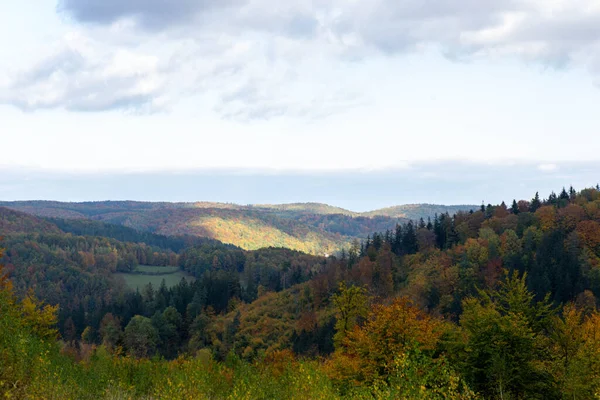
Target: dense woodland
499	302
308	227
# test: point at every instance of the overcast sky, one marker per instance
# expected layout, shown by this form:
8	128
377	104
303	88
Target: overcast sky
297	88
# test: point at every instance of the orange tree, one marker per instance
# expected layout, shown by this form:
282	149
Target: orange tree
395	350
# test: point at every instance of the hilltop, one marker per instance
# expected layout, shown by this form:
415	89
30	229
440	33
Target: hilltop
416	211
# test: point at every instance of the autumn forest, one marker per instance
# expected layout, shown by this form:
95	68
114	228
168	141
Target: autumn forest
139	300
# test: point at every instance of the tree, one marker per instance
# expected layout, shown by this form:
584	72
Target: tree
396	349
576	352
351	304
87	336
505	342
514	208
409	240
383	280
141	337
168	325
39	316
535	203
572	193
111	333
548	217
198	328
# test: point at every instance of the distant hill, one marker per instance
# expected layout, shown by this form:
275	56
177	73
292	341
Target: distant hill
247	229
312	208
12	222
416	211
313	228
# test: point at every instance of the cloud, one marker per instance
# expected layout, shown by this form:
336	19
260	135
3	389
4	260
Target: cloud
151	14
547	167
555	33
249	104
294	19
245	79
81	76
253	57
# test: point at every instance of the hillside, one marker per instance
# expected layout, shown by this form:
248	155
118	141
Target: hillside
309	227
12	221
249	230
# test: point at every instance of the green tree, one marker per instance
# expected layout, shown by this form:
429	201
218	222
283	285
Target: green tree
168	325
514	208
505	343
535	203
141	337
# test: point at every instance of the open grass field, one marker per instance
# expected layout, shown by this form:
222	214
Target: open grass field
150	269
139	280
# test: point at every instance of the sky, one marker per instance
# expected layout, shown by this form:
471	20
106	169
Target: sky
234	100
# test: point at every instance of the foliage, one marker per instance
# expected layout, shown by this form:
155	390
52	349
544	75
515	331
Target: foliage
351	304
506	346
141	337
498	303
309	227
12	222
576	350
370	352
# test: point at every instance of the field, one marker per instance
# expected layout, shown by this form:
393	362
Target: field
151	269
145	274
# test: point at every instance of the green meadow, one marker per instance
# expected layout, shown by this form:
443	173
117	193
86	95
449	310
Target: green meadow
145	274
151	269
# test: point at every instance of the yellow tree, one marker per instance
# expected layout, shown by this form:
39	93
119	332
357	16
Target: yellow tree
22	325
576	346
39	316
351	304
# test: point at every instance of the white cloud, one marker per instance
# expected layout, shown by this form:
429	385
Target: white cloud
259	60
82	74
548	167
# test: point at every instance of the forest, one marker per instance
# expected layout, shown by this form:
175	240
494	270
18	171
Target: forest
308	227
499	302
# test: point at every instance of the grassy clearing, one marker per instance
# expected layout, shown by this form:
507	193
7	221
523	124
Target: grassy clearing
150	269
138	281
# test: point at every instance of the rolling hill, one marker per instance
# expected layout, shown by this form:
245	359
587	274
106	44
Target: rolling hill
313	228
12	222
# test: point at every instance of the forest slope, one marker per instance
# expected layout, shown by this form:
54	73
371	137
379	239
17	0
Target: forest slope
309	227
